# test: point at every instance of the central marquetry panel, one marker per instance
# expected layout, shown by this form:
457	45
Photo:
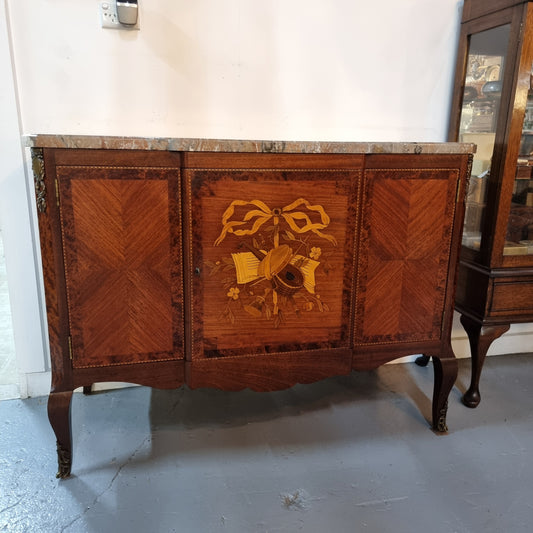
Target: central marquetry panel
404	255
272	257
122	263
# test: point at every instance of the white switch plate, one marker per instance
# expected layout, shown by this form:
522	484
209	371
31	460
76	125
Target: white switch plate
109	18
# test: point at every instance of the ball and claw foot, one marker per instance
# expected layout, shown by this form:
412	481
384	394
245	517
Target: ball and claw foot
422	360
471	398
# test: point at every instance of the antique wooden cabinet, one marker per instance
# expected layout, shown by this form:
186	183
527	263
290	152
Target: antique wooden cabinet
493	107
237	264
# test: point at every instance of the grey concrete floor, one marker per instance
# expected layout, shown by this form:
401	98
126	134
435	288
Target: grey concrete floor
348	454
8	367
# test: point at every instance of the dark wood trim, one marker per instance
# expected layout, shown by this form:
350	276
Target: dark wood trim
276	372
473	9
54	280
218	160
160	374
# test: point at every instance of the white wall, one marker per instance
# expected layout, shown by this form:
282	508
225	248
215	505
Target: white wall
291	69
16	221
313	69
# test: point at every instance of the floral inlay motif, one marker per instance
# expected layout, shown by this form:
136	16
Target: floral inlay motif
277	252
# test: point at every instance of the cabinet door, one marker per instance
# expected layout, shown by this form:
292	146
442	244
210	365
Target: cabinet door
406	246
481	118
120	223
272	245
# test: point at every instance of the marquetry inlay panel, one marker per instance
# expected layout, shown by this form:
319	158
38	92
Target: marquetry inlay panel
404	255
122	262
272	260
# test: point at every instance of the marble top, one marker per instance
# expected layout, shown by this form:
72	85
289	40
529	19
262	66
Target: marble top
234	145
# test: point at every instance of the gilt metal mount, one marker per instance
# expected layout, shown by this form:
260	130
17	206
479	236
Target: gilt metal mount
37	158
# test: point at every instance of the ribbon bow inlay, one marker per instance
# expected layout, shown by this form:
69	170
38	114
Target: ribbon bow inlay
298	221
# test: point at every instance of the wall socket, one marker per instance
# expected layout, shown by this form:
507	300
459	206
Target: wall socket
109	18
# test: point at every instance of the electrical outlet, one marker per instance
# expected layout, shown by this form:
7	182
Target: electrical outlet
108	15
109	18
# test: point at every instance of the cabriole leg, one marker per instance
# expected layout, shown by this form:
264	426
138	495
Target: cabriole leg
59	416
445	371
480	338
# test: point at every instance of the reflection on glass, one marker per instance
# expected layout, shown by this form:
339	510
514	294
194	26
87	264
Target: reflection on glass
479	114
519	238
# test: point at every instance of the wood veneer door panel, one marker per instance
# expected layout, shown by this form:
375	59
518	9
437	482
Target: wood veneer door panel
272	260
122	249
404	255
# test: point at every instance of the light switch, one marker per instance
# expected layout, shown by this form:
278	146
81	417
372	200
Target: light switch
127	12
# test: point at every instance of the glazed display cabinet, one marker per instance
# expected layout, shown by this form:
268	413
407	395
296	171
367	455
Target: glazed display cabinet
234	264
493	108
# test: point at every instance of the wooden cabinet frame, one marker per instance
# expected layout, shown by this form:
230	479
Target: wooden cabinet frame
236	270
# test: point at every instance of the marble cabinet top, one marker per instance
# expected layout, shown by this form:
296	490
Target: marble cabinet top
229	145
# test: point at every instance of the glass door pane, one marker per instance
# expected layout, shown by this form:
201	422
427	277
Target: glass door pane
479	115
519	237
